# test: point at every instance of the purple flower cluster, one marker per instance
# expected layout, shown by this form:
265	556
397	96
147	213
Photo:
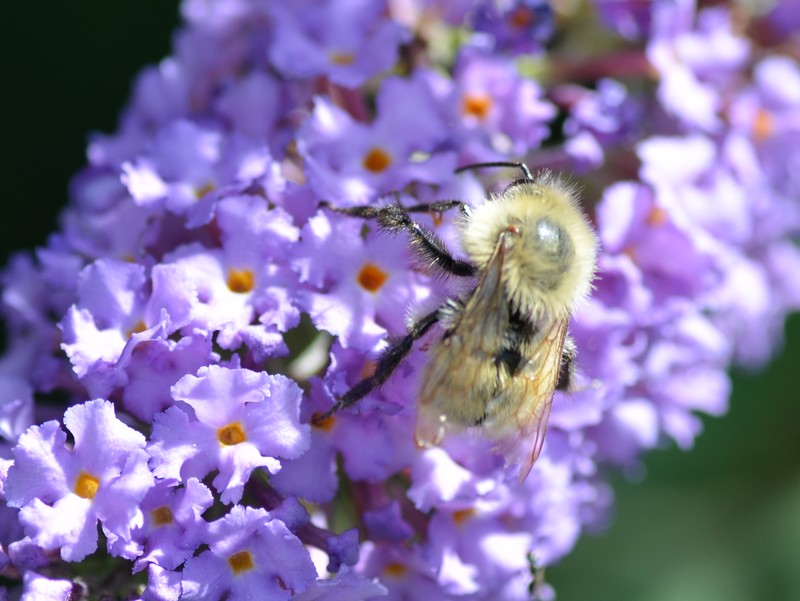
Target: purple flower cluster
170	345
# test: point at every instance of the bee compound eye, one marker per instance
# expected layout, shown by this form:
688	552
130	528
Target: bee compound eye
551	236
554	243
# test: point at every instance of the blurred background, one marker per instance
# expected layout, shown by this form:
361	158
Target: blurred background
721	522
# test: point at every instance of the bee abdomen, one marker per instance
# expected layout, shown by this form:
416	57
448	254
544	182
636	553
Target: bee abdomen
517	336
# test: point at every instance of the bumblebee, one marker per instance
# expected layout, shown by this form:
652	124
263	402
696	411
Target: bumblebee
505	349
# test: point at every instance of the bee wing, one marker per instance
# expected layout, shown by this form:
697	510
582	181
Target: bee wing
460	373
537	382
485	316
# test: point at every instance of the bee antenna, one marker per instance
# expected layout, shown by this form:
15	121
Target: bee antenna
518	165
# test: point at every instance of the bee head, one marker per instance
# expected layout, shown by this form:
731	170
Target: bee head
525	181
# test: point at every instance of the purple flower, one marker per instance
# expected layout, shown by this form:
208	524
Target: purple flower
319	459
110	309
249	556
600	119
348	162
253	105
695	64
16	408
766	114
632	223
235	421
347	42
783	19
207	292
357	283
152	366
519	26
631	19
496	107
162	585
10	528
344	586
173	525
206	280
404	571
38	587
387	524
63	492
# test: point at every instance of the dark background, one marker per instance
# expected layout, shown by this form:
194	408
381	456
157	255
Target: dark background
69	68
721	522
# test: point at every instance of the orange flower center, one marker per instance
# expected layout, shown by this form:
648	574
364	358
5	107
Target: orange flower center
657	217
138	327
86	485
521	18
371	277
394	569
326	424
162	516
241	562
231	434
477	105
342	58
462	515
377	160
240	280
203	190
763	125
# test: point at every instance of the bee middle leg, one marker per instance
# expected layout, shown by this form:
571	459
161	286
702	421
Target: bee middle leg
389	360
427	245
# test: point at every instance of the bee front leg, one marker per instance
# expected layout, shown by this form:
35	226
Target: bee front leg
425	244
387	363
440	206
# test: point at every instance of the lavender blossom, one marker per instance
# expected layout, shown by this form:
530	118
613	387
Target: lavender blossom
62	493
249	556
203	300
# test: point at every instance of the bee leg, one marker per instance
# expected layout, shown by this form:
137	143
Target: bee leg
567	369
440	206
426	244
387	363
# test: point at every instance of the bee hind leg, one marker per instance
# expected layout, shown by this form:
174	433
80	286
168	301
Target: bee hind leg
389	360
